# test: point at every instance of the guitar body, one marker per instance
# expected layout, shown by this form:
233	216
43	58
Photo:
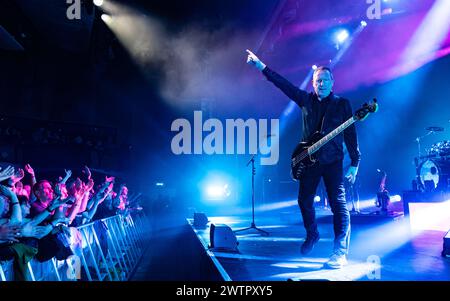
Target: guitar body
298	168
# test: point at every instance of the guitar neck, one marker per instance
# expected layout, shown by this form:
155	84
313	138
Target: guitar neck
316	146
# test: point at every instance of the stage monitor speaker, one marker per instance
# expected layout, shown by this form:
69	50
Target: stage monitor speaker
200	220
222	238
446	250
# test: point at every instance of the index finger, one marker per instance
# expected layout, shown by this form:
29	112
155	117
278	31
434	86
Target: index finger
249	52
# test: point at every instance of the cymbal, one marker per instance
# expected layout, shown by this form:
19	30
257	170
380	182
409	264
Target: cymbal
435	129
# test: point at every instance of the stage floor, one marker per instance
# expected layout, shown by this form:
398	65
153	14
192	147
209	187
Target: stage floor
380	250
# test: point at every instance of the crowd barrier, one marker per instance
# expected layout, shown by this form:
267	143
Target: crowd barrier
107	250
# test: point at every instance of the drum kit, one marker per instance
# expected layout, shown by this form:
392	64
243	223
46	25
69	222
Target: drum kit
433	169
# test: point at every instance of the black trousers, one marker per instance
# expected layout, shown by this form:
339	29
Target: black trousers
334	183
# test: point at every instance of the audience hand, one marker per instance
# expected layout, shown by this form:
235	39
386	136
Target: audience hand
29	169
7	173
9	232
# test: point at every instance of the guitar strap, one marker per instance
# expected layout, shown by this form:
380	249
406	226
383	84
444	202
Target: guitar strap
323	117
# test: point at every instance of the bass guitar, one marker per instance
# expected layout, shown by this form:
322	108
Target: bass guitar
303	155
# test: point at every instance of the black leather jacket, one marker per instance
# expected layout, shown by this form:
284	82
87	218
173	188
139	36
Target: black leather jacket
335	110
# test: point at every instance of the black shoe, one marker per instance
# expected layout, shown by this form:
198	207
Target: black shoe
309	243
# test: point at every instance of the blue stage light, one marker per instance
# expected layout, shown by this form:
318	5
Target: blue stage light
217	191
342	36
98	2
396	198
106	18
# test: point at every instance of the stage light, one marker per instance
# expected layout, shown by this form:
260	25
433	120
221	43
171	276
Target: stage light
314	67
363	23
429	216
98	2
316	199
106	18
396	198
217	191
387	11
342	36
159	184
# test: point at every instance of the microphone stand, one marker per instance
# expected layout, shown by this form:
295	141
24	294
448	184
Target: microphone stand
253	226
418	139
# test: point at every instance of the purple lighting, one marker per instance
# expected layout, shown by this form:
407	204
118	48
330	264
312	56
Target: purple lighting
427	39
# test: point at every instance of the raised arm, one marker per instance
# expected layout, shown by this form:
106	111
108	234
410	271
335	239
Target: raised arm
87	172
16	211
30	170
67	176
89	214
74	209
6	173
85	198
18	175
296	94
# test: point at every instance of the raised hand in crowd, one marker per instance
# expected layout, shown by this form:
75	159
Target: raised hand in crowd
16	211
57	190
109	179
6	173
9	233
78	184
89	185
87	172
57	202
31	230
60	190
67	176
7	192
29	169
18	175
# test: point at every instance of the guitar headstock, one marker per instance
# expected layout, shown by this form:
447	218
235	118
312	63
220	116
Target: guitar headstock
367	108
